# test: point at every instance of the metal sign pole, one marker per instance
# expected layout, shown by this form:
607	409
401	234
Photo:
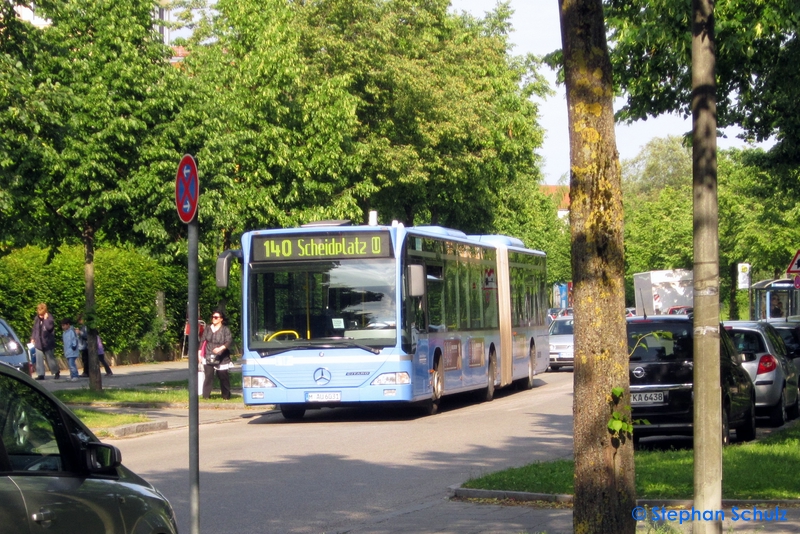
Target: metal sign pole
194	434
187	196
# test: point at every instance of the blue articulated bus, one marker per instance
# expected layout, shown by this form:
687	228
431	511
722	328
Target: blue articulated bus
346	315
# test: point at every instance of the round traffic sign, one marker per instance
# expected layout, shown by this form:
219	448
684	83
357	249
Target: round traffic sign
187	189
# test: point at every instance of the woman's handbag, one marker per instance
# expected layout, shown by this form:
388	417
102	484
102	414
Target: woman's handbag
201	354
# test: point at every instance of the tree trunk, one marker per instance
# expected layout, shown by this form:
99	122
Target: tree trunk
604	470
89	314
707	394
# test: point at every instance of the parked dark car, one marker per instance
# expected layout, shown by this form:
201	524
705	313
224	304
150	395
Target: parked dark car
772	371
789	331
12	350
56	477
661	352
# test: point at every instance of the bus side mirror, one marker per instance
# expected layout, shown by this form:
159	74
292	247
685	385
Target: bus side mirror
224	266
416	280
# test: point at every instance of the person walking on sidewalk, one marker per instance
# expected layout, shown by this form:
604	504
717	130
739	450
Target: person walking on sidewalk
218	340
44	340
83	347
101	356
71	353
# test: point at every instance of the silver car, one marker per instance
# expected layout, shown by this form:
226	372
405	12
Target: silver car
767	361
12	351
56	477
562	343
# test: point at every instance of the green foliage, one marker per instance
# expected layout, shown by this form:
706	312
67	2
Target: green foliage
126	284
758	221
619	424
757	49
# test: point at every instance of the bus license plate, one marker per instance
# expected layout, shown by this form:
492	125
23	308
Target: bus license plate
651	397
324	396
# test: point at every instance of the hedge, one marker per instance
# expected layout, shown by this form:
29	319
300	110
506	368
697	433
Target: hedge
126	284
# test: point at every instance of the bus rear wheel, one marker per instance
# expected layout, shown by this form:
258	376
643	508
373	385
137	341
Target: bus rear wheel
293	412
527	382
488	393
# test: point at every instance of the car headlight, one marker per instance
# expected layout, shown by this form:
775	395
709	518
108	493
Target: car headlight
257	382
391	378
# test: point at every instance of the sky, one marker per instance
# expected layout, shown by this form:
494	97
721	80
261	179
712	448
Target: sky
537	30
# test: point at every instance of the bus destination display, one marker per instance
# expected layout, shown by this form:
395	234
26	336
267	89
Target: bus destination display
321	246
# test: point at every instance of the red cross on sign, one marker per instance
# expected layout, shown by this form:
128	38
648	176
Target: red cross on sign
187	189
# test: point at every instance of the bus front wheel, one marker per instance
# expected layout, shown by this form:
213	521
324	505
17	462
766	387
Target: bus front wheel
431	406
293	412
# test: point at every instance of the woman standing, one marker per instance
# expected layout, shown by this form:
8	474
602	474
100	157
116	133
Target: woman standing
217	354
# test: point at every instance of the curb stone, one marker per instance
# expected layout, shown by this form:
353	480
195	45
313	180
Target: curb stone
137	428
522	496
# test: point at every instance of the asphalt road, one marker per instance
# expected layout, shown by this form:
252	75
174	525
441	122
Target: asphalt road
342	470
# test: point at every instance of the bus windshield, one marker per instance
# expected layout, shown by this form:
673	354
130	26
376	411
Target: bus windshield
341	303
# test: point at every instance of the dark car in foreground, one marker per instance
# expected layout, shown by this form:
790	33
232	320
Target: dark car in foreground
770	367
661	350
12	350
56	477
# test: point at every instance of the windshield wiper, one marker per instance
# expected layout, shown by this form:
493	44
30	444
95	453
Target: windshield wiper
328	343
348	342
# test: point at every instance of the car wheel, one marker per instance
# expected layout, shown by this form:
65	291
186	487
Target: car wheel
777	414
747	432
293	412
726	429
793	411
21	426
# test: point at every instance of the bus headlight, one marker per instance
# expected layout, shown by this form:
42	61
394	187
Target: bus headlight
391	378
257	382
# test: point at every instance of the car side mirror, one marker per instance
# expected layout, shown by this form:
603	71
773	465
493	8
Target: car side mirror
102	458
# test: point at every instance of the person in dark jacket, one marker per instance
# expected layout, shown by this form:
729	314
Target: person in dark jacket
44	340
218	340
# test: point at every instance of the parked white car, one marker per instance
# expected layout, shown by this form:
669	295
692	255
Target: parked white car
562	343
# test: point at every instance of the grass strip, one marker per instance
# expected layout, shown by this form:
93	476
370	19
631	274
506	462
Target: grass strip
138	396
97	420
761	469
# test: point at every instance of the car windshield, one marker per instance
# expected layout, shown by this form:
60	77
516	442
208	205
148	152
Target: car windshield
656	341
332	303
561	328
8	345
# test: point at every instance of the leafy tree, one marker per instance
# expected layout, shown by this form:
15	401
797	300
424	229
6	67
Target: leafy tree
662	162
604	469
758	50
658	233
108	83
367	104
